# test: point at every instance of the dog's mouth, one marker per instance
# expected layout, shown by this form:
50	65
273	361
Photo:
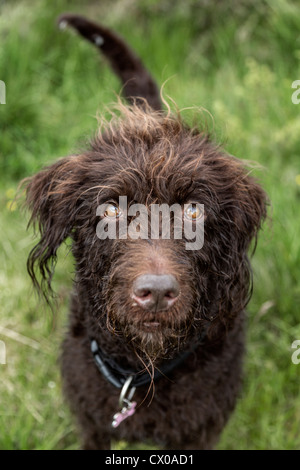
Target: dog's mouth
154	335
151	325
161	322
151	322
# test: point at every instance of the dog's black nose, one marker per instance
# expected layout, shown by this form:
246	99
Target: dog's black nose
155	292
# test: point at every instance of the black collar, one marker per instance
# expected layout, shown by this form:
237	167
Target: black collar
117	375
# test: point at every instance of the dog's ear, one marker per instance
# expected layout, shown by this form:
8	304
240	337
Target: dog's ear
250	209
52	196
242	207
241	201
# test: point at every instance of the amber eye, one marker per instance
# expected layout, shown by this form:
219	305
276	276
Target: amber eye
112	211
194	211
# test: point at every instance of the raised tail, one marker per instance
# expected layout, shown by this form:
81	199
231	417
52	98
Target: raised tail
137	81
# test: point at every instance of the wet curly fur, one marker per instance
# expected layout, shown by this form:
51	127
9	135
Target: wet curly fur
151	157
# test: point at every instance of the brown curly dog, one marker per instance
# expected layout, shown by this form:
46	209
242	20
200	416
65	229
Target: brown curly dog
156	334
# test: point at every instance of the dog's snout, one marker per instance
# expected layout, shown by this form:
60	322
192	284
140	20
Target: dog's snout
155	292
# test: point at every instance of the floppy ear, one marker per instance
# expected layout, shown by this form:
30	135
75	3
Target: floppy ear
250	210
242	207
51	195
241	203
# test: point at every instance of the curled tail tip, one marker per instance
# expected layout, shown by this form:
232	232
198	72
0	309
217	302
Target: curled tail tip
70	19
137	81
65	20
83	26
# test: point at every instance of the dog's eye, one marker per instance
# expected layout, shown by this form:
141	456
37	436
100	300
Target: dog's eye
194	211
113	211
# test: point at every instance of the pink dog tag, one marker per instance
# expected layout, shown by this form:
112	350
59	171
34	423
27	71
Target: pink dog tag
127	411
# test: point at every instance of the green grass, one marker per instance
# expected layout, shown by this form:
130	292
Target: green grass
236	62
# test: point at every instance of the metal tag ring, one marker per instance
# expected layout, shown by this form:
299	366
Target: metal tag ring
123	399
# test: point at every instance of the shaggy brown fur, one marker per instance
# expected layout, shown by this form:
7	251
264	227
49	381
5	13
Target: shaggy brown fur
150	157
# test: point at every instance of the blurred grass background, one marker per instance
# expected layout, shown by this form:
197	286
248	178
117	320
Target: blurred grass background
238	60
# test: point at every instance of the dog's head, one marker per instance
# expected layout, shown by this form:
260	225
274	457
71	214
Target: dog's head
156	292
